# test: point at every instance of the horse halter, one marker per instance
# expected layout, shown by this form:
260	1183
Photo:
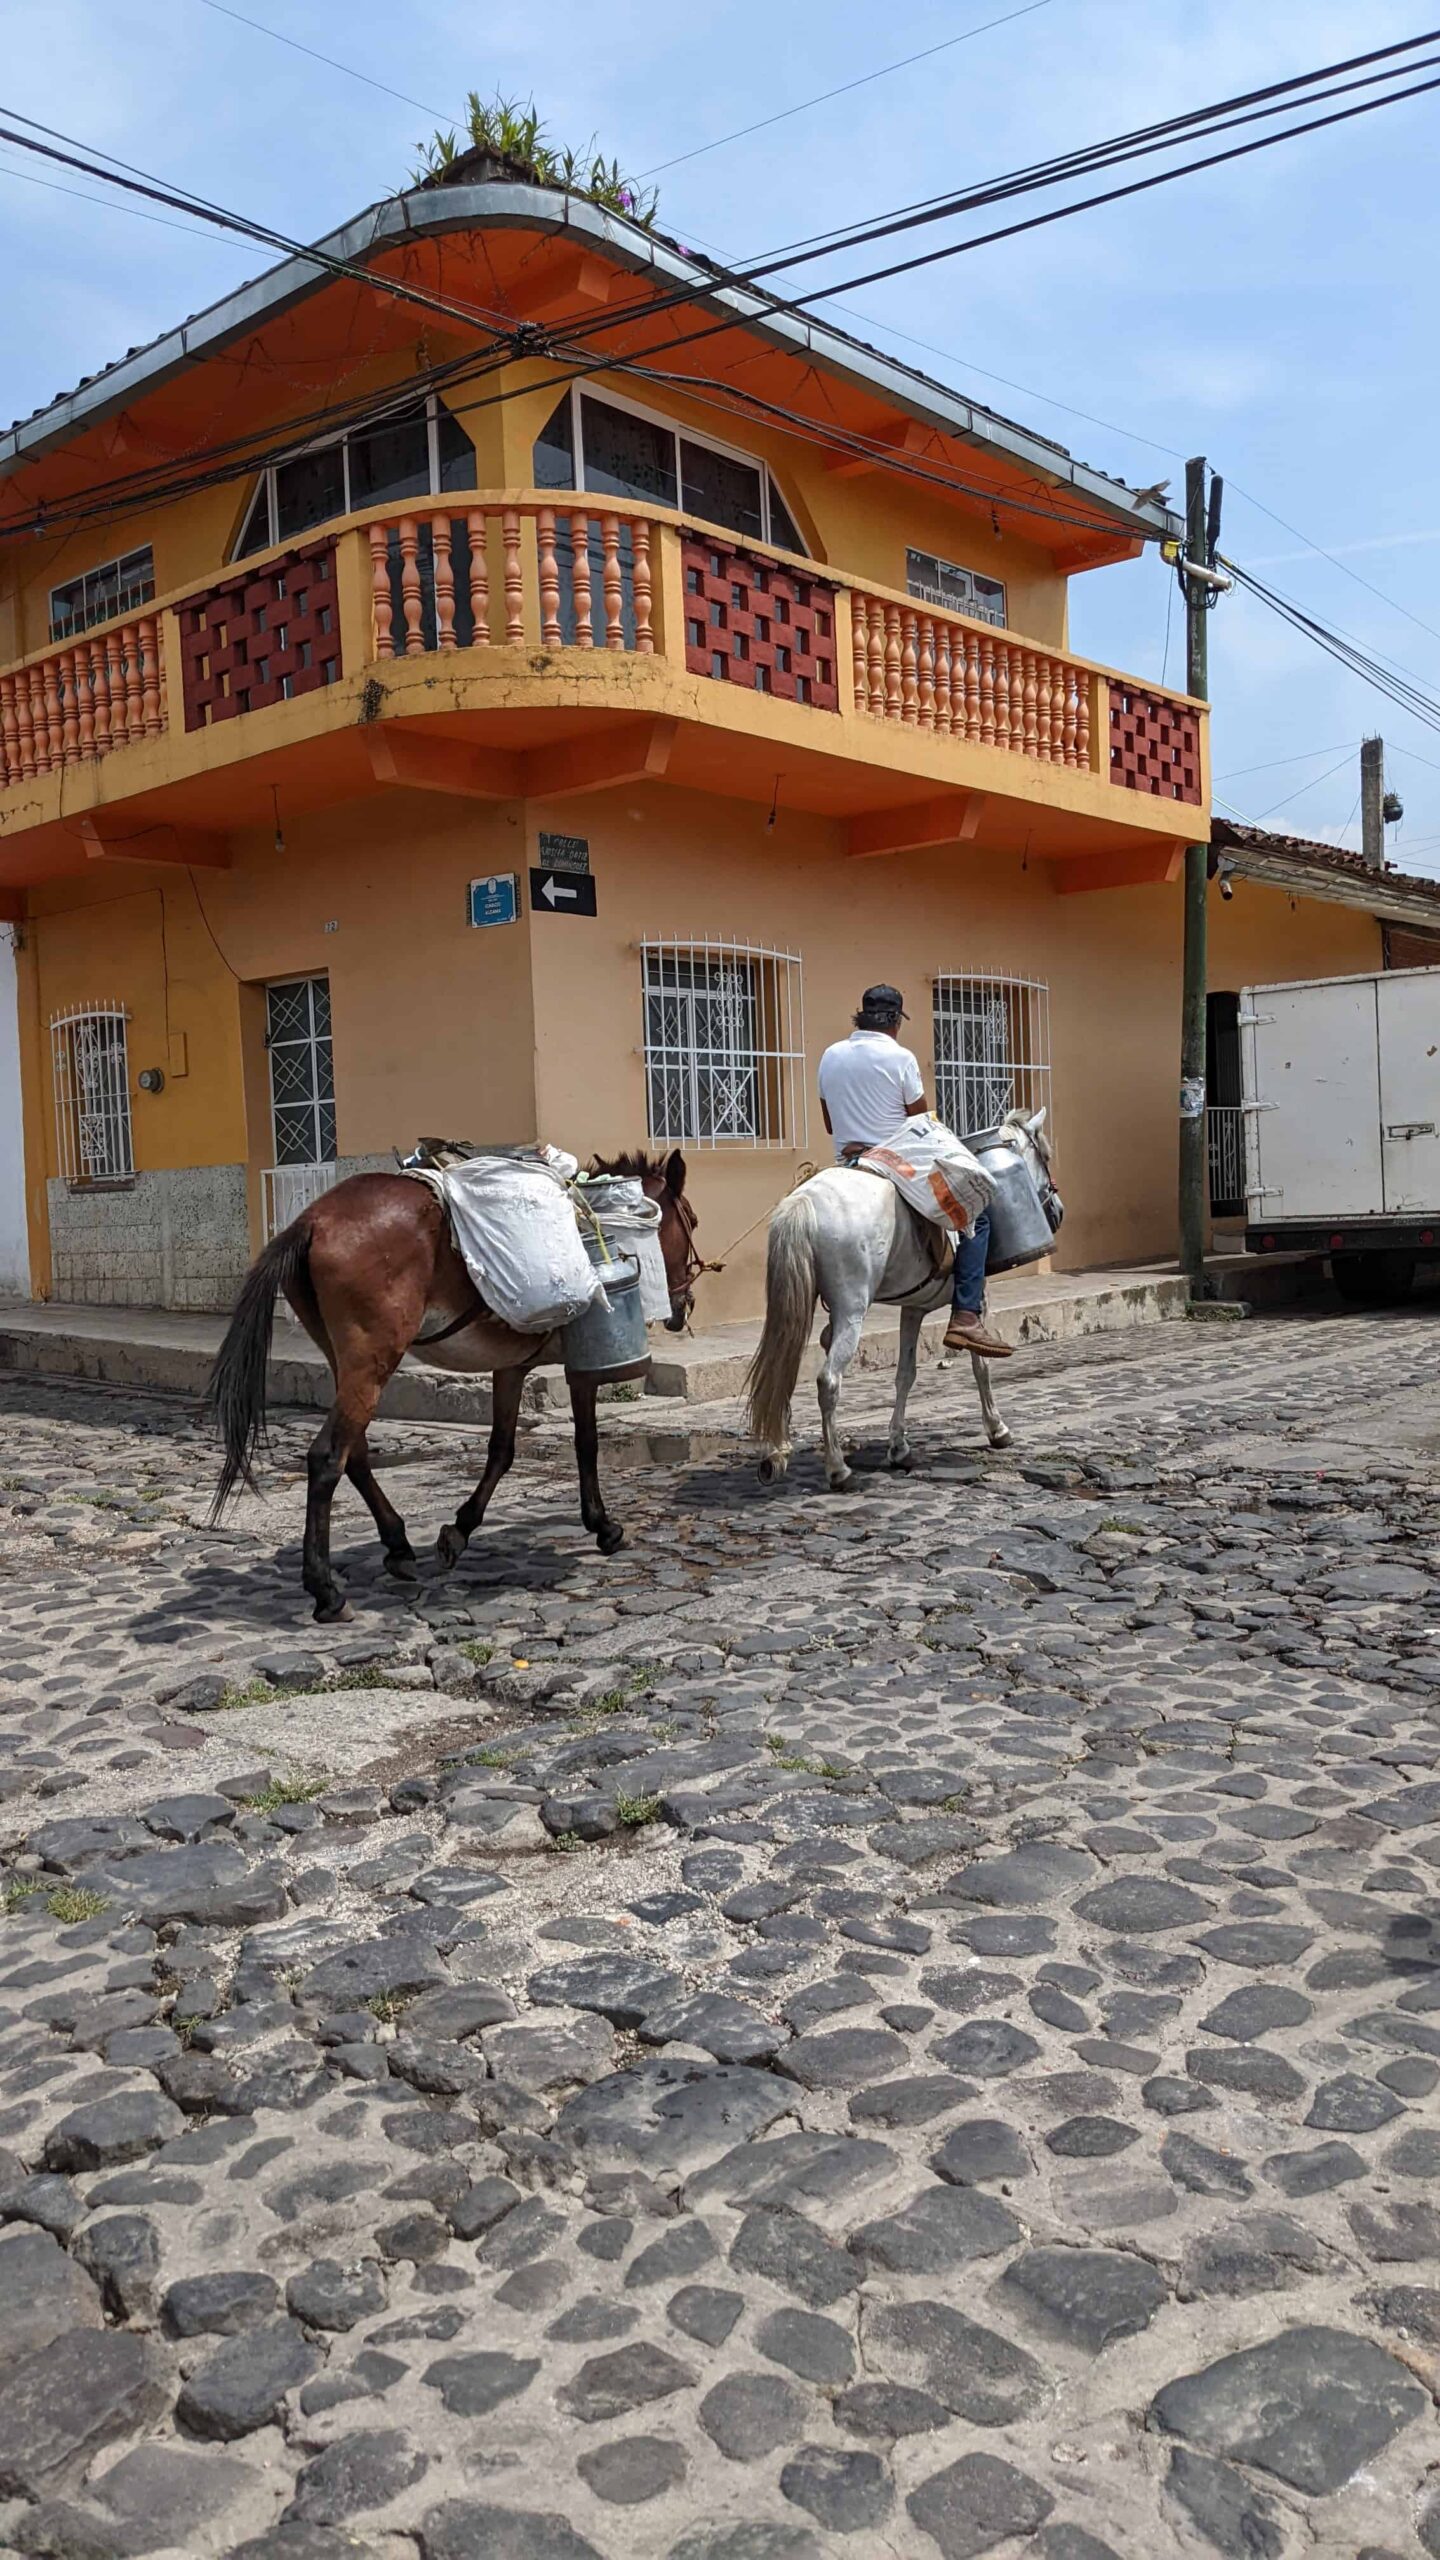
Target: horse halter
695	1264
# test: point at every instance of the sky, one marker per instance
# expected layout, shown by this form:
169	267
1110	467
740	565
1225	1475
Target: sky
1277	315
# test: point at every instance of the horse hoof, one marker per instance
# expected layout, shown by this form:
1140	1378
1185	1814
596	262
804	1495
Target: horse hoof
449	1547
403	1568
1000	1439
607	1540
849	1483
766	1471
903	1463
338	1613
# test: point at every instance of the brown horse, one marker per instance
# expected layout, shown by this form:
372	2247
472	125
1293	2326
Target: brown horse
371	1271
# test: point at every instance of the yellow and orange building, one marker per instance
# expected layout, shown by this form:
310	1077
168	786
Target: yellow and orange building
507	681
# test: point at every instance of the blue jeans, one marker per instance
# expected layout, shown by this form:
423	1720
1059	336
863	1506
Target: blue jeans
968	1293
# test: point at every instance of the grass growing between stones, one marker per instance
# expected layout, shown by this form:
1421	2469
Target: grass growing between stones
285	1791
247	1693
634	1812
388	2006
75	1902
66	1902
785	1756
477	1653
613	1702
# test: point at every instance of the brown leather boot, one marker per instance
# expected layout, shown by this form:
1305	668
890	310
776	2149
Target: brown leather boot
970	1333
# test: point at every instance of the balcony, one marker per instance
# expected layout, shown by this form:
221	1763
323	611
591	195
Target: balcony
519	646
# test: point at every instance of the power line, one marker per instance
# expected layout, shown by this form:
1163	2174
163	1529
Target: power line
139	182
846	86
793	305
328	58
1222	114
1039	174
187	202
765	299
28	178
1305	787
1410	696
1238	772
1117	195
1319	549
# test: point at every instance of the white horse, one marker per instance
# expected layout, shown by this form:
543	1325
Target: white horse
848	1238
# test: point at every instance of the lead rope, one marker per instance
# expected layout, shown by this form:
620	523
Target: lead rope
805	1173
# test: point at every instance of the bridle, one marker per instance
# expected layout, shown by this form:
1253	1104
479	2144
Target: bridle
695	1264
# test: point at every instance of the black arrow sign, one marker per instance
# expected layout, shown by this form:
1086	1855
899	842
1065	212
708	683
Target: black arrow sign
562	893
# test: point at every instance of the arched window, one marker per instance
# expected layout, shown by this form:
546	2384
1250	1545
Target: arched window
411	452
612	449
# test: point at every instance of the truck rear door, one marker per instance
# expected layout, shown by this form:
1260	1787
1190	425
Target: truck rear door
1312	1100
1409	1009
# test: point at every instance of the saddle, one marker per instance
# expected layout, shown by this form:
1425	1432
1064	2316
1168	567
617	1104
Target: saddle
436	1155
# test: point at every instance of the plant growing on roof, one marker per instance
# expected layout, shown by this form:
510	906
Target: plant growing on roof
504	130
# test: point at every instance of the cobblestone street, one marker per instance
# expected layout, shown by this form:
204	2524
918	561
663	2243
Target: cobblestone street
905	2024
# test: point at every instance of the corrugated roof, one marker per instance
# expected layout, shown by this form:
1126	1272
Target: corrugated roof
431	212
1326	871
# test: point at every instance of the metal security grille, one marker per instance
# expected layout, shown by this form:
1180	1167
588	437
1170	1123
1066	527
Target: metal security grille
992	1049
286	1189
92	1094
302	1071
724	1044
1225	1146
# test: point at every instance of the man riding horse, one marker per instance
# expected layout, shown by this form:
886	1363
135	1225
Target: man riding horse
870	1085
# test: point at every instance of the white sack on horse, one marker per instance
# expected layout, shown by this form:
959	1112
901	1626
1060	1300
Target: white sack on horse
514	1225
630	1226
933	1171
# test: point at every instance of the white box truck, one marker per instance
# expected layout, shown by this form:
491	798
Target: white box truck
1341	1110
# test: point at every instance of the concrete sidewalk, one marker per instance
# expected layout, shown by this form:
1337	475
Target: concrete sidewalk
148	1349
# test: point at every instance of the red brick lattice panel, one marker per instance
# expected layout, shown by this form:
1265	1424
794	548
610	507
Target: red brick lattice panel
262	637
753	624
1154	745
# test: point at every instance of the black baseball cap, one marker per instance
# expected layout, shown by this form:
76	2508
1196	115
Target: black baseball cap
884	1000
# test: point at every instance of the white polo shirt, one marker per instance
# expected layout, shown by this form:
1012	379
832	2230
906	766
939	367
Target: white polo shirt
866	1084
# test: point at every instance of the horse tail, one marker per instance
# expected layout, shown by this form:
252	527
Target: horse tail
235	1390
790	1292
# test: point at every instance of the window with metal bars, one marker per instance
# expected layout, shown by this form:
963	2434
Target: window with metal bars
91	1073
724	1044
302	1070
992	1049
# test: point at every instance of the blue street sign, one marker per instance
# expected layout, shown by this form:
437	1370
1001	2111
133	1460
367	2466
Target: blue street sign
496	900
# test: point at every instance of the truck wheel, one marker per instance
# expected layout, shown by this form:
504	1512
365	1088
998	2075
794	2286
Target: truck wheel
1373	1279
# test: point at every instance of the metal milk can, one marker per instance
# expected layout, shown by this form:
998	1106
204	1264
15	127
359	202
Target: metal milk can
1019	1229
609	1340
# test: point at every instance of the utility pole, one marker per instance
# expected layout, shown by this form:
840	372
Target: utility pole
1202	530
1372	802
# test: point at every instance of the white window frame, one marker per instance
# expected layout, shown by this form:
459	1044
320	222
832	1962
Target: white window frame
90	1069
763	1058
977	610
1014	1073
142	592
320	444
712	444
316	1102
